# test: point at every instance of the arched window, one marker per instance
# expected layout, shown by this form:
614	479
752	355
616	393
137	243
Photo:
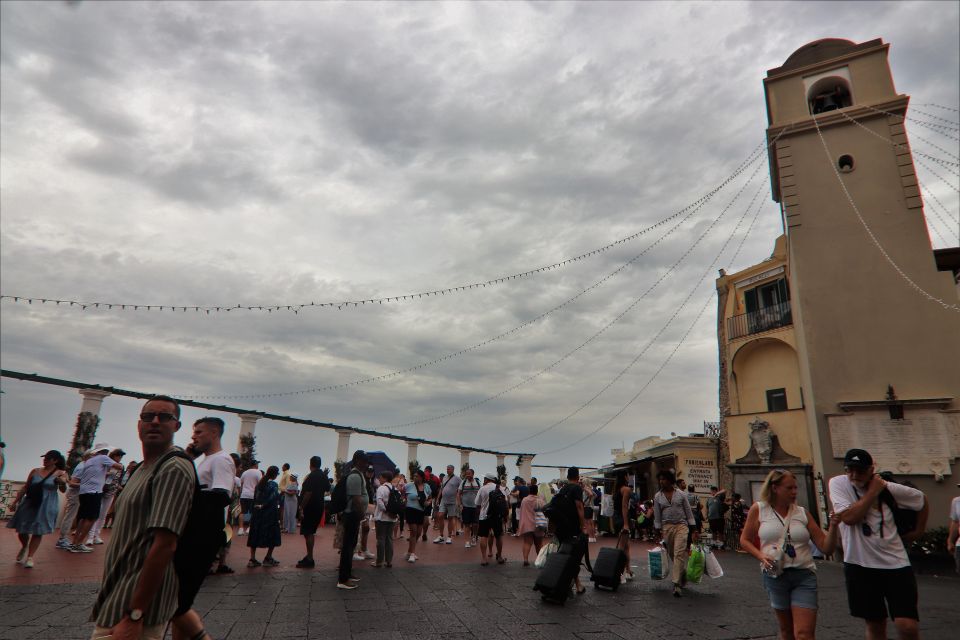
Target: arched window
828	94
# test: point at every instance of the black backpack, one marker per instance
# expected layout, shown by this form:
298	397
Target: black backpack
905	519
562	514
395	503
203	530
338	498
496	505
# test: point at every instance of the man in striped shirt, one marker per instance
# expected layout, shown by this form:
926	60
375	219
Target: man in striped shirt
138	592
672	515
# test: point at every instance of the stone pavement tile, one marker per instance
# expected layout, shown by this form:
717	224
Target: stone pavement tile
248	631
24	631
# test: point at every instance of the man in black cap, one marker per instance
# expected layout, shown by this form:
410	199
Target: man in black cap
880	580
357	500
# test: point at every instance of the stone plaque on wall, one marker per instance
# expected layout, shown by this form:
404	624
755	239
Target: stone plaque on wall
924	443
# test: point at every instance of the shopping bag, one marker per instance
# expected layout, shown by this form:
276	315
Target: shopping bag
659	563
545	550
695	564
713	568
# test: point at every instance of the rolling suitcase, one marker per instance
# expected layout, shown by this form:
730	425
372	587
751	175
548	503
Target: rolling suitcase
556	578
609	566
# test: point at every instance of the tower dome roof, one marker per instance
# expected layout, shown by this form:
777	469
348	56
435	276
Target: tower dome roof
820	50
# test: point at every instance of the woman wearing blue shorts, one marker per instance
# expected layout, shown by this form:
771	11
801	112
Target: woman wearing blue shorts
789	572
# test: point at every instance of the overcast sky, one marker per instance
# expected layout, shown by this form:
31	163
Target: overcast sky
283	153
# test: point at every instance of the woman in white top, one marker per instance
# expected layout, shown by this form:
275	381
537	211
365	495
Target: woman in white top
785	531
384	522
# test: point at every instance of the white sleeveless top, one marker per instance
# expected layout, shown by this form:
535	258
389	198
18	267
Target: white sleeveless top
771	530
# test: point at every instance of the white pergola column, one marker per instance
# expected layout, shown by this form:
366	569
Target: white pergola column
464	457
526	467
563	473
411	456
248	426
92	400
343	444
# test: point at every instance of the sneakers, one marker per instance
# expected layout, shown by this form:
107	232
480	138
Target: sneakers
369	556
438	540
21	555
306	563
411	558
358	556
253	563
241	532
448	540
64	543
80	548
677	591
591	539
28	564
346	585
98	540
623	578
467	545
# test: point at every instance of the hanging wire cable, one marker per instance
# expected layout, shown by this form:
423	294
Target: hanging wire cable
755	156
643	388
916	136
933	208
938	106
936	128
937	175
669	357
929	296
954	124
296	308
595	335
652	341
946	212
944	163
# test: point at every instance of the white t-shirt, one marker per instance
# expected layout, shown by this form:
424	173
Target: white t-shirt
881	549
217	471
248	483
483	498
955	509
383	495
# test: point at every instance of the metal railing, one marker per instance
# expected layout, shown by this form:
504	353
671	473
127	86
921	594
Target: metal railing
778	315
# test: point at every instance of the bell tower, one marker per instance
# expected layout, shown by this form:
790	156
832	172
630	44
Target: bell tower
870	308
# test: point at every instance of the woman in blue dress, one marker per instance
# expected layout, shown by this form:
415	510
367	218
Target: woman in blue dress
37	505
265	520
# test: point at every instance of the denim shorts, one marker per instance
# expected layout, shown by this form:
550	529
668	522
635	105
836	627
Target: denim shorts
794	588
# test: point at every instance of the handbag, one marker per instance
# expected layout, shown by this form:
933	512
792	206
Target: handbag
714	570
545	550
540	521
775	552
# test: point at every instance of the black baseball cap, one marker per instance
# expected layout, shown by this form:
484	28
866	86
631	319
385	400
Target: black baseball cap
857	458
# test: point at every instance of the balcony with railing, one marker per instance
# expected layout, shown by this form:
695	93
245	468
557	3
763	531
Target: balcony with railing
772	317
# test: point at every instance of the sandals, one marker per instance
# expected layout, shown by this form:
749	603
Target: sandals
254	563
270	562
501	560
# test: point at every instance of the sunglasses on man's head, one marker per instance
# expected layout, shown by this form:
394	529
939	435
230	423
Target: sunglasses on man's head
148	416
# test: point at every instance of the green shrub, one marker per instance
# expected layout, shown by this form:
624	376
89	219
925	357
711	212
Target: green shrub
932	541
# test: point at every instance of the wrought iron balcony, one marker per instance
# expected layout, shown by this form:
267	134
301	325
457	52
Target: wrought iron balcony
778	315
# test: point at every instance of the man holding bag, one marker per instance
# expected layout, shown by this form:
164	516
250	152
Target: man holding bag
673	518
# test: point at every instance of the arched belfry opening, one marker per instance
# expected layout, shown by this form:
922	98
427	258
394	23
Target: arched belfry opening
829	94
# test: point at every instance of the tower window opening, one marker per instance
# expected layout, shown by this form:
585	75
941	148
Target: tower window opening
829	94
845	163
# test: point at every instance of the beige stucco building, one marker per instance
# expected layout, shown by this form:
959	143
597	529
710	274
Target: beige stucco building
693	458
848	335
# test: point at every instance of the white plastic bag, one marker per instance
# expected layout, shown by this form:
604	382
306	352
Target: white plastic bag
659	563
545	550
714	570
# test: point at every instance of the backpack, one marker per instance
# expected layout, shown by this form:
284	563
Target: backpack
905	519
395	503
497	505
199	532
338	498
562	513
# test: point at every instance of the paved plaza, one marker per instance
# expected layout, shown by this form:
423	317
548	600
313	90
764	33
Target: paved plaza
447	596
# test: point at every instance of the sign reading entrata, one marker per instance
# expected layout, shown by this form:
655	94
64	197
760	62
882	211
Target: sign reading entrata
700	472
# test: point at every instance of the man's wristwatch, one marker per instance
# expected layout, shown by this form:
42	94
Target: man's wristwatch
135	615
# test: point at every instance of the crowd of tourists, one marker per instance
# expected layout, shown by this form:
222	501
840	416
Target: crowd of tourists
171	513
